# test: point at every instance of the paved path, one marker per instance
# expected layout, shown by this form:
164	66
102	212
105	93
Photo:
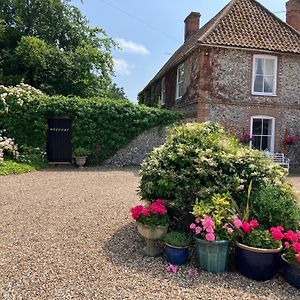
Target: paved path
67	234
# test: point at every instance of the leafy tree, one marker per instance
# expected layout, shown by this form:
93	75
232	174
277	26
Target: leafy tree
50	45
116	92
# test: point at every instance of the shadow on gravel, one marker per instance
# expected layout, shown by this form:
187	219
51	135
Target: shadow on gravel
124	249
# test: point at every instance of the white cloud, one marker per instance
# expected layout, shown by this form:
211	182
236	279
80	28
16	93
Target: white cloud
121	67
132	47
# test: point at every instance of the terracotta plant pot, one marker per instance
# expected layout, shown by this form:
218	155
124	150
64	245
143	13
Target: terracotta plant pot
152	236
291	273
213	256
80	161
256	263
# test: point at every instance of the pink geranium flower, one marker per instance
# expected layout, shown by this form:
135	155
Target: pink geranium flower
246	227
254	224
171	268
136	211
291	236
296	247
237	223
198	230
210	237
158	207
193	226
208	222
277	234
146	212
229	230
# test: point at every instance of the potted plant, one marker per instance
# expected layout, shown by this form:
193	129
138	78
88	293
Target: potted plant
214	231
291	258
80	154
257	251
177	247
152	223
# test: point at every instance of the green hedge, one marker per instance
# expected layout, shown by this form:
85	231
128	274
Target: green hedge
103	126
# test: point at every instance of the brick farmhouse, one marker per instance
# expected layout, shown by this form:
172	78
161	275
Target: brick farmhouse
241	69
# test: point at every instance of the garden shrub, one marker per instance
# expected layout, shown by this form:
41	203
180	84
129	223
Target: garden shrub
199	160
102	126
273	205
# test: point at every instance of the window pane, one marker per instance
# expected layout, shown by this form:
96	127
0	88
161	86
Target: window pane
258	83
269	67
267	127
268	84
257	127
256	140
180	90
259	66
180	74
266	143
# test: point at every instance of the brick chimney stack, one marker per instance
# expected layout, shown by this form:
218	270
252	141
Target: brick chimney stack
293	14
192	24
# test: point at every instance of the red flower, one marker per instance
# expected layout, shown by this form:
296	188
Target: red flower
158	207
291	236
296	247
146	212
136	211
254	224
277	234
246	227
298	258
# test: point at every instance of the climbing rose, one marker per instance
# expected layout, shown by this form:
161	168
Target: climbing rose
210	237
246	227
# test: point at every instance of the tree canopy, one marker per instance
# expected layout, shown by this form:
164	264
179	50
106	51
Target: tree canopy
50	45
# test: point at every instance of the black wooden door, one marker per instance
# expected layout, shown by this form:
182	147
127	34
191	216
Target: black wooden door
59	146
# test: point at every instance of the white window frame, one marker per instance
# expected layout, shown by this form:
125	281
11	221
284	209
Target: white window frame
263	117
178	83
275	75
163	92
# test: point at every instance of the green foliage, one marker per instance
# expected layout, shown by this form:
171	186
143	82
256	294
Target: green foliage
51	46
102	126
199	160
221	208
177	239
260	239
80	151
33	156
115	92
9	167
274	206
154	220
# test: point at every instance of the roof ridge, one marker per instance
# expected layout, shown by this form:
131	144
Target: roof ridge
226	9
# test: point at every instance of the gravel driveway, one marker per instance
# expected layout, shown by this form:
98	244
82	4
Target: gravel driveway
68	234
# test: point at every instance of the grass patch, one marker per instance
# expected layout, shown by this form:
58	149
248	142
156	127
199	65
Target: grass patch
12	167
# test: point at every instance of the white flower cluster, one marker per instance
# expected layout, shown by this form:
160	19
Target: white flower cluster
17	94
7	145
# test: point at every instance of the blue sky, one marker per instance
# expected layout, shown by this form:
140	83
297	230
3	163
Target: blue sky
149	32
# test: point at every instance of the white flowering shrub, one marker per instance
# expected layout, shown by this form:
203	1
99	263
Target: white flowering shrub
7	146
199	160
10	96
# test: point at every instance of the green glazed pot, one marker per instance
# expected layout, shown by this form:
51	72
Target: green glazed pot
212	256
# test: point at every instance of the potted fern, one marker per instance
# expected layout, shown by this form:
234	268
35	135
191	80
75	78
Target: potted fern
177	247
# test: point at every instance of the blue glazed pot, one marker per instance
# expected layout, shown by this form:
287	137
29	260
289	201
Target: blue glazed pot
212	256
291	273
176	255
255	263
